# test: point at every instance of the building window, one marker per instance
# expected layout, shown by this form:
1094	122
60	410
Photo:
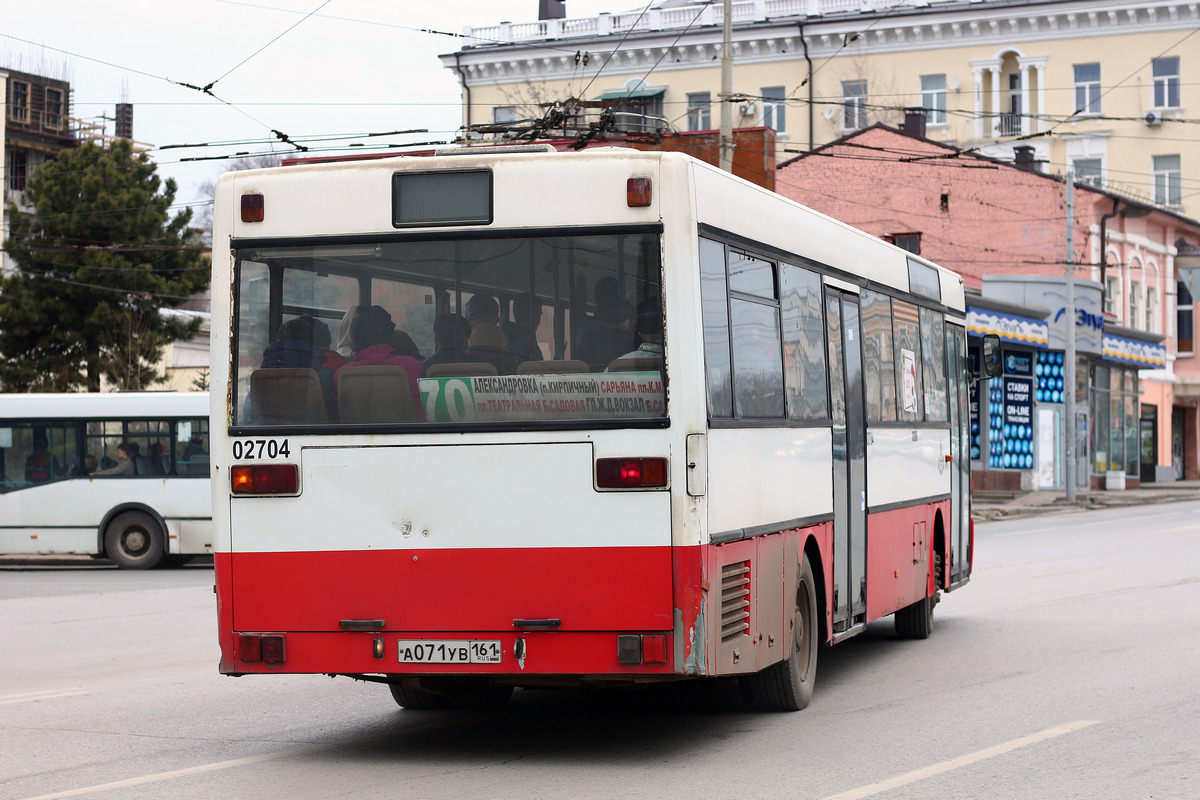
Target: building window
906	241
1166	82
54	99
1010	123
1087	88
1183	319
502	115
1112	296
699	111
18	103
18	169
1151	310
1168	176
774	100
1089	171
854	105
1135	304
933	98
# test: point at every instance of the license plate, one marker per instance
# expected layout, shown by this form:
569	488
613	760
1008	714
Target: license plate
435	651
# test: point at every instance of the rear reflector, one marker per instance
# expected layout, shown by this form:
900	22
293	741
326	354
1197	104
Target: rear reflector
249	648
631	473
637	192
264	479
273	650
649	649
252	208
654	649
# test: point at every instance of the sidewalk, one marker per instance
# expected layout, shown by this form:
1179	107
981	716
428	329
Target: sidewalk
1006	505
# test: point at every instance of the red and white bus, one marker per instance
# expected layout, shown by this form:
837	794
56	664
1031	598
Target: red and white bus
635	420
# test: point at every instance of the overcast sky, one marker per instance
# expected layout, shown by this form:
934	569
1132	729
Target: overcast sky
353	67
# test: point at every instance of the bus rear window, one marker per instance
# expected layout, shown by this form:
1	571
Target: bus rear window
447	331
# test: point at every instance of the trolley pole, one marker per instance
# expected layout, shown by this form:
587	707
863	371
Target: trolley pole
1069	334
726	135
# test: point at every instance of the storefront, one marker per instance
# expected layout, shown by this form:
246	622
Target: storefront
1018	441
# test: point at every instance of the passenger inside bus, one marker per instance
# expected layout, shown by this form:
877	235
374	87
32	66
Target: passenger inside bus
521	331
126	453
41	465
650	332
371	335
296	347
450	336
611	337
489	345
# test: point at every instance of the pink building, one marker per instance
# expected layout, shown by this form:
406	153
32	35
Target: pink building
1002	225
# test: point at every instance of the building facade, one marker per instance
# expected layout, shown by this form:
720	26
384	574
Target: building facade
1005	228
1095	85
36	127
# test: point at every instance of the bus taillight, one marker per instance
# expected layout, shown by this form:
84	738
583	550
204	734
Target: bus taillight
631	473
264	479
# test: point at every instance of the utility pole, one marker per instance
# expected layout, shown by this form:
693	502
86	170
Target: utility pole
726	135
1069	333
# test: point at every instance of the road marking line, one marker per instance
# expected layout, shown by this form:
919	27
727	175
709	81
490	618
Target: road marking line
961	761
182	773
46	694
237	762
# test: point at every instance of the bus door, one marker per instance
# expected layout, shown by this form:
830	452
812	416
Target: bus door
849	461
960	443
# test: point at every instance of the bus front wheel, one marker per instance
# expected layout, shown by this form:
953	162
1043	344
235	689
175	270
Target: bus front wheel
788	685
134	540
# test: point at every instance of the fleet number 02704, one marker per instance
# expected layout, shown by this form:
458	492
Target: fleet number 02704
431	651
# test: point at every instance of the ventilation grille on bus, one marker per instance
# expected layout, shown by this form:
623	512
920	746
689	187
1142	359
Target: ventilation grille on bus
735	601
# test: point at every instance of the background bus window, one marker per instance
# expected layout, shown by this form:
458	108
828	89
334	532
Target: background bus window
933	338
37	452
714	301
191	442
879	363
907	327
803	343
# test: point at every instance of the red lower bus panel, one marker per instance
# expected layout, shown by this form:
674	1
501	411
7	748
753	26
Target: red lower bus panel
450	594
900	548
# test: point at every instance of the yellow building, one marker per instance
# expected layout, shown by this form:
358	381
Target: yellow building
1098	86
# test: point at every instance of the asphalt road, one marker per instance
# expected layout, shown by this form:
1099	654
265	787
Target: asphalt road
1068	667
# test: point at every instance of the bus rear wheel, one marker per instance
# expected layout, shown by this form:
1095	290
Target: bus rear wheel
135	540
416	699
788	684
916	621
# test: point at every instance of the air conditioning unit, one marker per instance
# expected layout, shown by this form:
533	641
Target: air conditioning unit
1153	118
747	109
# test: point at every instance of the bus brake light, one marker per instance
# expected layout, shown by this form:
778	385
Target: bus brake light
264	479
631	473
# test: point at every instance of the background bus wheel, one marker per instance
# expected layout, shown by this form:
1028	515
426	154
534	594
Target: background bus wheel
916	621
134	540
416	699
788	684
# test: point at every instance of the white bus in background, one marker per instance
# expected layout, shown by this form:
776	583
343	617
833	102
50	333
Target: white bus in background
64	488
689	429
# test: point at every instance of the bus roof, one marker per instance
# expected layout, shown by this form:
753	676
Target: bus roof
106	404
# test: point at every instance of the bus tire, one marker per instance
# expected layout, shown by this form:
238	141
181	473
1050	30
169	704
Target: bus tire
916	621
135	540
416	699
788	685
